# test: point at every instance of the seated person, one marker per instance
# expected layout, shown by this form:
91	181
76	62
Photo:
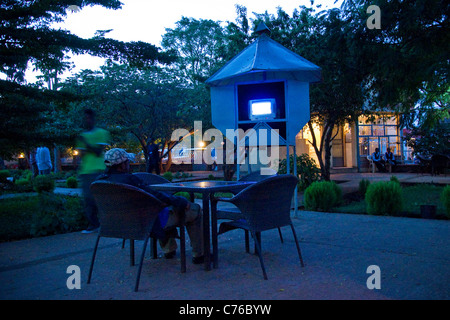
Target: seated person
390	158
118	170
378	161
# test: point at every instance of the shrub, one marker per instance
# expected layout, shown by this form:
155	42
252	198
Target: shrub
23	185
168	175
445	199
57	215
184	195
322	196
394	179
363	185
384	198
306	169
177	175
44	183
4	174
40	215
72	182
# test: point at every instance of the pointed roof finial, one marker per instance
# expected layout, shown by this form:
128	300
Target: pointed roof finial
262	29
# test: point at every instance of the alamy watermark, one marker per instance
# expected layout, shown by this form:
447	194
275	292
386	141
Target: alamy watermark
74	280
374	21
374	280
260	146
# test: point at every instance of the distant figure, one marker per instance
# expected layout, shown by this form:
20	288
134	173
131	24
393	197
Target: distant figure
390	158
33	162
376	158
91	145
43	160
153	159
213	157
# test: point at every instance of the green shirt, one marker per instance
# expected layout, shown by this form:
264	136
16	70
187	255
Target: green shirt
91	163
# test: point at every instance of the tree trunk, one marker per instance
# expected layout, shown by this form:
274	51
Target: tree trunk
57	167
228	171
327	146
324	148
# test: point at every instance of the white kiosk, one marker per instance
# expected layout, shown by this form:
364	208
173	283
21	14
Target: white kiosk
264	86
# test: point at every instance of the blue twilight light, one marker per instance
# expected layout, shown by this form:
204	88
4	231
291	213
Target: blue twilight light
262	109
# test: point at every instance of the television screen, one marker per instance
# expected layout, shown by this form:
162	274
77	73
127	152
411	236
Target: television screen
262	109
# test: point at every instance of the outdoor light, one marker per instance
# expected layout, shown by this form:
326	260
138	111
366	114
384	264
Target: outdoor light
262	109
21	156
201	144
75	152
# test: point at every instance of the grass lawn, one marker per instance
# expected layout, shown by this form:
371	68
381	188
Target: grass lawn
413	197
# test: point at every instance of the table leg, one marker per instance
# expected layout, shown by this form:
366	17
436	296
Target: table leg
206	237
215	253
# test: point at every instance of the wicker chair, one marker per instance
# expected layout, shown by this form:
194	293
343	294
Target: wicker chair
149	179
235	214
128	212
265	205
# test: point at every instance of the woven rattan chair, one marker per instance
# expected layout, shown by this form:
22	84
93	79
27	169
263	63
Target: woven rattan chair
265	205
149	179
128	212
235	214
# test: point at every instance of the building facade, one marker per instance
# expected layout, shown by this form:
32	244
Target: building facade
353	142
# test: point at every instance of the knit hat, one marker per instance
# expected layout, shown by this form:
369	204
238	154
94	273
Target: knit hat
117	156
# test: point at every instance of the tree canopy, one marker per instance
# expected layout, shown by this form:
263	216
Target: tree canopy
403	64
26	37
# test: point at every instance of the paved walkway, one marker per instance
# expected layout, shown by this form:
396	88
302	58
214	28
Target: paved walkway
413	256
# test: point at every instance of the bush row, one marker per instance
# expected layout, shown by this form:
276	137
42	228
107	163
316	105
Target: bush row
24	182
382	198
41	215
322	196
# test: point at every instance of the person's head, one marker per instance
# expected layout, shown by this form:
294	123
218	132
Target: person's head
89	119
377	150
388	150
117	160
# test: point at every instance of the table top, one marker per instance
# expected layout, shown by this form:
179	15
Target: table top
203	186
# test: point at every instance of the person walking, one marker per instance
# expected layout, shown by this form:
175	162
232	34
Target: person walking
91	144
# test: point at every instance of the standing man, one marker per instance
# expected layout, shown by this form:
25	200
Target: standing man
91	144
153	158
43	160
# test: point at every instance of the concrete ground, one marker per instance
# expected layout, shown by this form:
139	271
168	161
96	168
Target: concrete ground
413	256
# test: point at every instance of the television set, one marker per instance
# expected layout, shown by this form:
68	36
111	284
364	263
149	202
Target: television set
262	109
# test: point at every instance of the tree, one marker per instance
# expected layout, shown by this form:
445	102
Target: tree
327	40
364	70
410	55
26	37
148	104
195	42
